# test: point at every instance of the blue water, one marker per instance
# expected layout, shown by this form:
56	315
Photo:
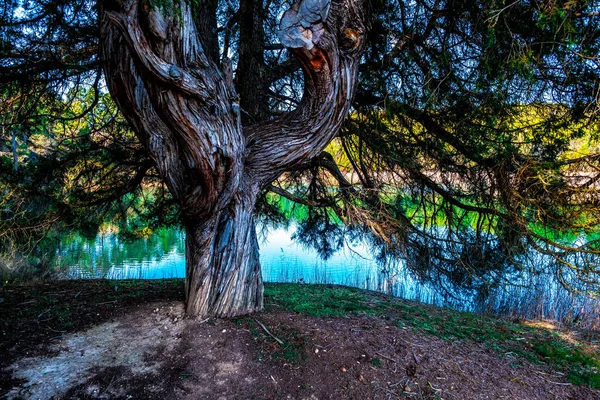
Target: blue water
163	256
282	260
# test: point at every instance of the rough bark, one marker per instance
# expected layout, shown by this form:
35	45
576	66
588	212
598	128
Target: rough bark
223	268
250	79
205	18
185	110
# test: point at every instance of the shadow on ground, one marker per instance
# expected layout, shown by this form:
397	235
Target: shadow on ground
128	339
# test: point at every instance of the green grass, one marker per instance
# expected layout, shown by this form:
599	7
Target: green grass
582	368
535	344
317	300
376	362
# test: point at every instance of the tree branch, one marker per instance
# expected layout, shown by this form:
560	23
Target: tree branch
326	161
177	100
299	200
168	73
327	38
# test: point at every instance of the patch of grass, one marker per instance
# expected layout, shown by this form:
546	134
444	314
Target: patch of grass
292	351
535	344
317	300
453	325
582	368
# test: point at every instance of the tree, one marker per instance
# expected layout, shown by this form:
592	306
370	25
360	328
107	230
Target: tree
183	106
484	136
470	151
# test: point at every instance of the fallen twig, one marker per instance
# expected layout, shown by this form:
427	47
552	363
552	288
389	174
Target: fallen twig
416	358
45	312
386	357
411	343
267	331
54	330
402	382
549	381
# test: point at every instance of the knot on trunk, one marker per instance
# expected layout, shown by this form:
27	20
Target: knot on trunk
303	24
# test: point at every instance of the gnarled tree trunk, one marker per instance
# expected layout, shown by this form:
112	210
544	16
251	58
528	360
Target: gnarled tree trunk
183	106
223	269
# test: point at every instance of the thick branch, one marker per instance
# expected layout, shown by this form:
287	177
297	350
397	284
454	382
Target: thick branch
178	101
250	80
205	17
134	102
167	73
327	38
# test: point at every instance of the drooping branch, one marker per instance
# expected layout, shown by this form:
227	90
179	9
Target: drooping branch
327	38
326	161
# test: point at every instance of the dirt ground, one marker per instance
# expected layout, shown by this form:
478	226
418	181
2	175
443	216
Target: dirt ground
139	350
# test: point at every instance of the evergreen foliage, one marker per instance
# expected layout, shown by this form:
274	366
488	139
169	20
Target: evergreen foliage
471	152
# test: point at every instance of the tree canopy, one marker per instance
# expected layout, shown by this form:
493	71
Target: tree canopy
470	151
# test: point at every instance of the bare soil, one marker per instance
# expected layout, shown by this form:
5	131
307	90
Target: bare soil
134	343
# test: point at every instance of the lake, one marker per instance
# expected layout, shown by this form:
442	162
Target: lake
162	255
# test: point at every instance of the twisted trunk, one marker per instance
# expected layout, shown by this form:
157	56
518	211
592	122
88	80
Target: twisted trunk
223	268
185	109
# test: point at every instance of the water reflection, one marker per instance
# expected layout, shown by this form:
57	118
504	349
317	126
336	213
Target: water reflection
159	256
163	256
